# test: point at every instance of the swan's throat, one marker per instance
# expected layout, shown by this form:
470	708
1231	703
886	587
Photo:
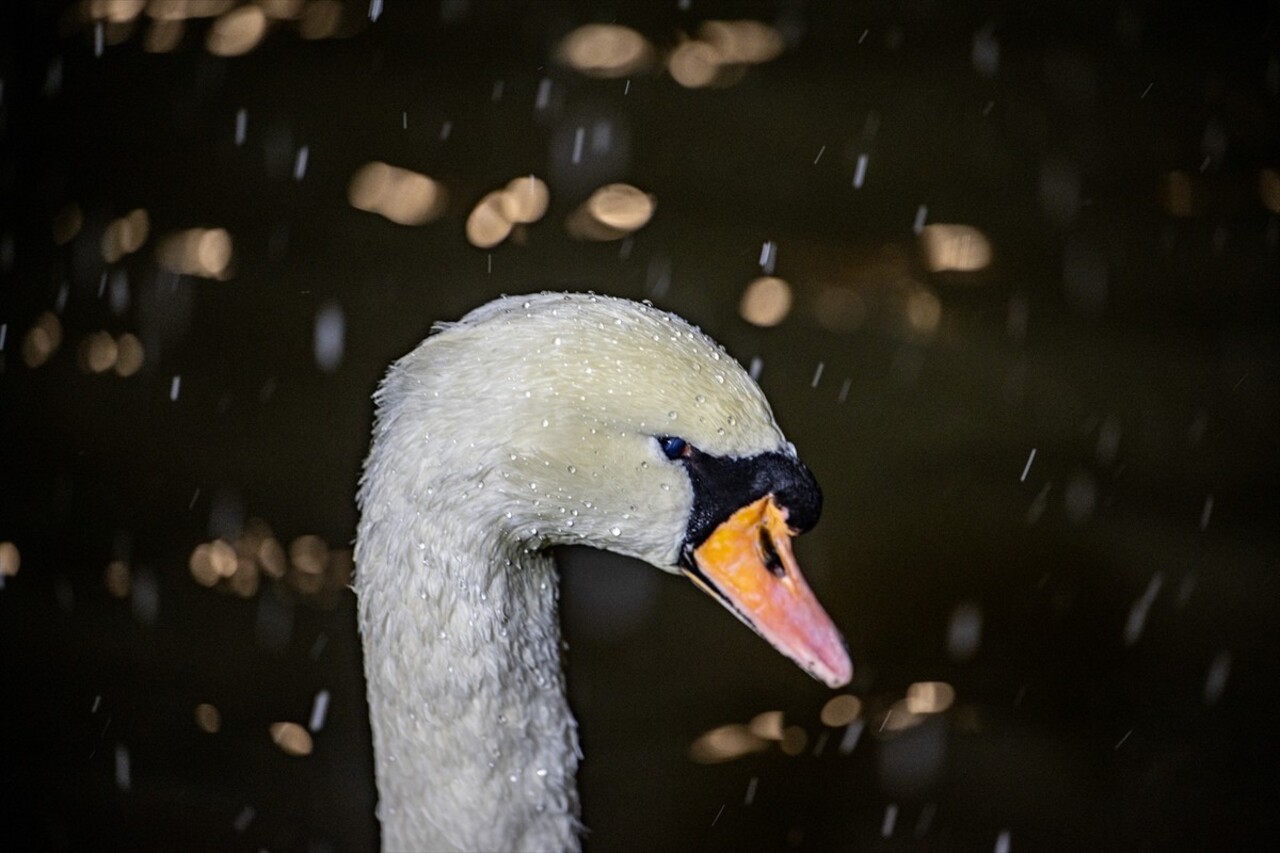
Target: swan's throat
475	745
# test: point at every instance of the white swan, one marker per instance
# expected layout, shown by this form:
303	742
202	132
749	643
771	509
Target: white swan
534	421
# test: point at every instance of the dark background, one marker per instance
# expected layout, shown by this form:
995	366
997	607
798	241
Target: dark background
1130	342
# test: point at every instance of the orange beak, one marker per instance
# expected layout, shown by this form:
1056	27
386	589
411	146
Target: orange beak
747	564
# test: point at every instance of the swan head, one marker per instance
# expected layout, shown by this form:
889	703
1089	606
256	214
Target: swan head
584	419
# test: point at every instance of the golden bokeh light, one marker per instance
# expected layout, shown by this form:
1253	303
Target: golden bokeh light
958	248
203	252
403	196
793	740
766	725
98	352
694	64
42	340
487	224
766	301
930	697
923	311
525	199
309	554
117	578
244	582
163	36
208	718
201	565
271	557
1269	189
10	559
611	213
281	10
129	355
125	235
292	738
745	42
841	710
605	50
622	207
237	31
179	10
900	717
114	11
67	224
725	743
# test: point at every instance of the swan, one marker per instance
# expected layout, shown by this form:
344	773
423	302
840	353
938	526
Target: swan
535	421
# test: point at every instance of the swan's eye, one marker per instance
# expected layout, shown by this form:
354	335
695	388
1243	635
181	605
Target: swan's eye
673	447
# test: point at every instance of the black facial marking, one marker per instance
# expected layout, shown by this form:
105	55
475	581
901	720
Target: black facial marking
724	484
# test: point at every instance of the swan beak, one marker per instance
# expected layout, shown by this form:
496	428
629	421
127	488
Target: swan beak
747	564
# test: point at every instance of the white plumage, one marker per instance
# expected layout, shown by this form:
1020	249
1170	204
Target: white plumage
530	422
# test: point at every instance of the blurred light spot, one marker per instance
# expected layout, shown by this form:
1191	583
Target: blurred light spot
321	19
900	717
67	224
962	248
116	578
694	64
42	339
1003	842
129	355
725	743
402	196
767	726
766	301
487	224
144	596
163	36
244	818
604	50
244	581
930	697
115	11
281	10
923	311
208	718
793	740
839	309
329	337
10	559
889	821
222	557
525	199
621	206
840	710
237	32
309	554
271	557
1215	681
292	738
1269	189
97	352
746	42
125	235
177	10
201	565
964	631
1178	194
204	252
